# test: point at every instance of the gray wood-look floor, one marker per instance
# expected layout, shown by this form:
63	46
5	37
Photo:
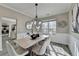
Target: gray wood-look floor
60	49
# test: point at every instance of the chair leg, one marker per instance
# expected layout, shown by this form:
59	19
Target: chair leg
30	49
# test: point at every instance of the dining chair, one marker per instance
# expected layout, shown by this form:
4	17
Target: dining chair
15	51
40	49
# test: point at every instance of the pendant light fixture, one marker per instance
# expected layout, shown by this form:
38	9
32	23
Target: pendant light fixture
36	20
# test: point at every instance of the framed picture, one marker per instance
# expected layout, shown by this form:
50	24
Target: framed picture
75	18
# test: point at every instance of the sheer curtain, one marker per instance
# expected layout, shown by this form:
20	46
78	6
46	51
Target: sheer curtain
49	27
45	27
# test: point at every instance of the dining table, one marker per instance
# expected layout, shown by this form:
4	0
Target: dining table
27	42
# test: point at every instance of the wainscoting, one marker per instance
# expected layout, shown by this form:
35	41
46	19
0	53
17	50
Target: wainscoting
62	38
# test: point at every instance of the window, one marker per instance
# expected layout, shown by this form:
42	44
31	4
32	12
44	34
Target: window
49	27
52	26
45	27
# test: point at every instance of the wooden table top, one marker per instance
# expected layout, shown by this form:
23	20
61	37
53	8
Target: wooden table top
28	42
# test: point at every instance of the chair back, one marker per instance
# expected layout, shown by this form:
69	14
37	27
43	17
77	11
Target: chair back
10	49
45	44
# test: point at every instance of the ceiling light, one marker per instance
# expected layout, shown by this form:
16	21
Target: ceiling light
36	20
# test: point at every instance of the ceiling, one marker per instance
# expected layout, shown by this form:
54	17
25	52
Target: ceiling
44	9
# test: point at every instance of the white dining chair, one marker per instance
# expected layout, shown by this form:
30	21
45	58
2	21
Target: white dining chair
40	49
15	52
13	35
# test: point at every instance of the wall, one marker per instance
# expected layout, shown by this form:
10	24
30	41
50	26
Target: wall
61	38
21	19
61	35
59	18
62	32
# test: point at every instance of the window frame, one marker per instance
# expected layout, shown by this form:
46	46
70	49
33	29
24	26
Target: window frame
48	26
